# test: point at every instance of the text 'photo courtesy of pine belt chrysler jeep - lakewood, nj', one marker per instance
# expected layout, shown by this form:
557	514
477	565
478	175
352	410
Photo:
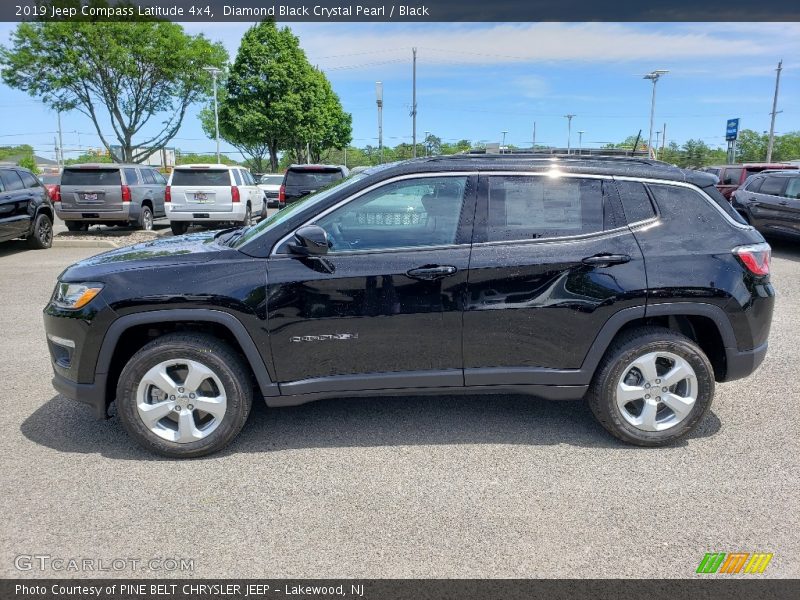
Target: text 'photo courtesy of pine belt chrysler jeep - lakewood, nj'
627	283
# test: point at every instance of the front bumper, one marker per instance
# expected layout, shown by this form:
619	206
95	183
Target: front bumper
93	394
742	363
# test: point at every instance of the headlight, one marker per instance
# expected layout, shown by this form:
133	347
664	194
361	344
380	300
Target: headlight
75	295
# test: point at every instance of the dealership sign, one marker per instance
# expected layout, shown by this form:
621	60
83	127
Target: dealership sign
732	130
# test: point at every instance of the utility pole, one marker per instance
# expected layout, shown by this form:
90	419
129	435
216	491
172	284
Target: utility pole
655	150
503	145
533	141
414	101
379	101
580	141
653	76
60	155
569	130
425	142
663	139
774	112
214	72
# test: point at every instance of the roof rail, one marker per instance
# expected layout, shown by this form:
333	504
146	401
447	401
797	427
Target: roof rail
554	157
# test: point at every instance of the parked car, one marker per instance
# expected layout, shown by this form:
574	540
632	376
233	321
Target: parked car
110	194
627	282
212	195
302	180
50	181
770	202
732	176
270	184
25	208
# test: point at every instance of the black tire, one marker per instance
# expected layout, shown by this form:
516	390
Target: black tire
264	213
178	227
248	216
146	218
625	349
226	364
76	226
41	236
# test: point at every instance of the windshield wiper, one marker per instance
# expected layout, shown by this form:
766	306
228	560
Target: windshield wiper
234	233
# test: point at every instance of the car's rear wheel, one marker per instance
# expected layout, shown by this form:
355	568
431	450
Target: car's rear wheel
41	236
184	395
248	216
652	387
146	218
76	226
264	212
178	228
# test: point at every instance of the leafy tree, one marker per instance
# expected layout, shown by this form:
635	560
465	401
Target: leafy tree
29	163
90	157
126	73
189	158
9	151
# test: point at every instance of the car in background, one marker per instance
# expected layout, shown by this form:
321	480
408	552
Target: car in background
25	208
733	176
50	181
302	180
109	194
770	202
212	195
270	184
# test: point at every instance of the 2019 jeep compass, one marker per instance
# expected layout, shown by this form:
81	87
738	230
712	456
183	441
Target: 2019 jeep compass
627	282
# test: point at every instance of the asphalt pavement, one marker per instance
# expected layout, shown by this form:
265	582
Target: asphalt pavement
479	486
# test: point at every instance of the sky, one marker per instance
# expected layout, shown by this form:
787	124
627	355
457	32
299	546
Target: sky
476	80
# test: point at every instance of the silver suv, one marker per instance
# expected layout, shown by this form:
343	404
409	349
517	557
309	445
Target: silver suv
113	194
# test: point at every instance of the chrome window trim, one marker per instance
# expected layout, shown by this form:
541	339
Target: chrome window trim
375	186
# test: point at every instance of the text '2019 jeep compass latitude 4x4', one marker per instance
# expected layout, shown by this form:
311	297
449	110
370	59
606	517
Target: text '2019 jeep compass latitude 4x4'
627	282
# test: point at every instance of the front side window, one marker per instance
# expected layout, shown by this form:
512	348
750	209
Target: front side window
772	186
793	188
526	208
403	214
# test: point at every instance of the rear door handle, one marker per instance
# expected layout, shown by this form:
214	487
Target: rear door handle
784	203
606	259
431	272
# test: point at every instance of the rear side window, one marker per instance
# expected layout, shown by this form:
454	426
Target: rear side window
91	177
754	184
28	180
201	177
11	181
731	177
685	203
158	178
793	188
237	176
131	177
526	208
147	176
772	186
312	179
635	201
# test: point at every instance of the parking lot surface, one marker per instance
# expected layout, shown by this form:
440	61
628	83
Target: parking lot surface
477	486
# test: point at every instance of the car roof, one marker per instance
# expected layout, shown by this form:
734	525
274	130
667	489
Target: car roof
303	167
106	166
597	164
208	166
755	164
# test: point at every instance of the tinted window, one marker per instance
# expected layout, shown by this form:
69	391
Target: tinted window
712	171
720	201
11	181
635	201
525	208
731	176
271	179
685	204
131	177
147	176
772	186
91	177
204	177
237	176
158	178
793	188
28	180
754	184
55	179
311	179
416	212
248	178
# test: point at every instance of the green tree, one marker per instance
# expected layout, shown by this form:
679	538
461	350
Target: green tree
189	158
751	146
128	74
29	163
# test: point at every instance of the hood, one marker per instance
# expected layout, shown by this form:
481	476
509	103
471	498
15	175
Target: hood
192	248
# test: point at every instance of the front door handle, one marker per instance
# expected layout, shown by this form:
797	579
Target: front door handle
606	259
784	203
431	272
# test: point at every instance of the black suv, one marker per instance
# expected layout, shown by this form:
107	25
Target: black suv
25	208
630	283
301	180
770	202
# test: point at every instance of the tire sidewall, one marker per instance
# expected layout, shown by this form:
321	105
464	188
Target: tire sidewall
36	240
239	398
610	412
143	221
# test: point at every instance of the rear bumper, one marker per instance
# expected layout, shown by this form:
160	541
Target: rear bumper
126	213
92	394
742	363
202	213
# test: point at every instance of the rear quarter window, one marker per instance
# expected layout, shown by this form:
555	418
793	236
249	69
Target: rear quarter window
680	203
201	177
91	177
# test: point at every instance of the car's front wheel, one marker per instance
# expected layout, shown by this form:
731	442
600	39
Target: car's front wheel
652	387
184	395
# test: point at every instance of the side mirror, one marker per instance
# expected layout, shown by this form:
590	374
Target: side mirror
311	240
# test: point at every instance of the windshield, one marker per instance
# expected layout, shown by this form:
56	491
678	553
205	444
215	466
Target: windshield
271	179
295	208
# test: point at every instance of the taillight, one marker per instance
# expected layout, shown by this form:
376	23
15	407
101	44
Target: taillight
235	194
282	193
754	257
167	194
126	193
55	193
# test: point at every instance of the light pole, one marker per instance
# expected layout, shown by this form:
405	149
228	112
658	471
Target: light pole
214	72
379	102
653	76
655	150
580	140
569	130
503	145
427	133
